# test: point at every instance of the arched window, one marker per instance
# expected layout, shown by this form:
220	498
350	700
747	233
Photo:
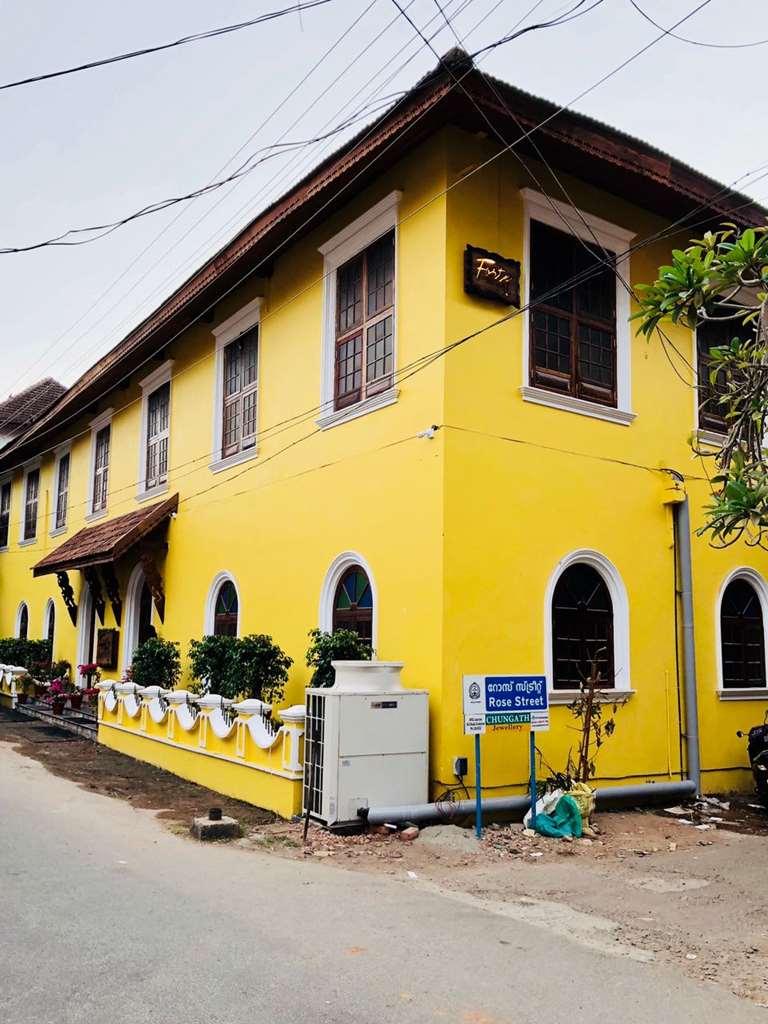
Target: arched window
742	636
22	622
353	603
50	622
582	628
225	611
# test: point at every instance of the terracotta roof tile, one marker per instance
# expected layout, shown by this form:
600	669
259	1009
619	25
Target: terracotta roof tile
21	410
97	545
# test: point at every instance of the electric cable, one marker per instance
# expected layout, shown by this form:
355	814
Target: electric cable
458	181
300	7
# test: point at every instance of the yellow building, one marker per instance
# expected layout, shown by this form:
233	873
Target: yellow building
349	415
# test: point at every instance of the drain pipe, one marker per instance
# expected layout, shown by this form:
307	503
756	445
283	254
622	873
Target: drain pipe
516	806
682	536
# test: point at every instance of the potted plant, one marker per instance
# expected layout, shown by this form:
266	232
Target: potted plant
57	696
240	667
156	663
211	663
325	648
88	671
261	667
90	695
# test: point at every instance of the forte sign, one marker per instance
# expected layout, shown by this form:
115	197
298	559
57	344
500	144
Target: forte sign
491	276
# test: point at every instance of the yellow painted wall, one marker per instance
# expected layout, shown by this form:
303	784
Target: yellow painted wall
463	531
526	485
277	522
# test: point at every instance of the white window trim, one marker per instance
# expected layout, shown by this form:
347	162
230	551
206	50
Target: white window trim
712	438
7	478
622	679
616	239
65	449
97	424
28	468
22	604
210	604
50	606
352	239
162	375
84	608
340	564
753	577
131	605
228	331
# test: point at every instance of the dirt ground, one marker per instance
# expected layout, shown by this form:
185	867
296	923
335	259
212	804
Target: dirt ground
684	886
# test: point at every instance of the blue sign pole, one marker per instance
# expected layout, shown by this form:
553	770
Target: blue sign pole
478	791
533	779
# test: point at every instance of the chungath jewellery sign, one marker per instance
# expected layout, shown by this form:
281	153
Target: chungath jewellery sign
505	700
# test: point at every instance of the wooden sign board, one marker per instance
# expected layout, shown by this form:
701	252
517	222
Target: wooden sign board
107	641
491	276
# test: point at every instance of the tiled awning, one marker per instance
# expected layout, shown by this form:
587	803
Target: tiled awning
105	543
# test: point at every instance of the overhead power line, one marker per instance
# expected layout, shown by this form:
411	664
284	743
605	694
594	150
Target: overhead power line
196	37
97	231
698	42
474	170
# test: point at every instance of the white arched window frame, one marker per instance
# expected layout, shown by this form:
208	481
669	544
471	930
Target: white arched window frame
340	564
50	609
753	577
620	604
210	605
132	614
23	606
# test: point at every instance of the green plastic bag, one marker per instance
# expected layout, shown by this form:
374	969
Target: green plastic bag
565	820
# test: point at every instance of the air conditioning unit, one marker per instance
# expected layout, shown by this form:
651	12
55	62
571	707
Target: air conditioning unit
366	742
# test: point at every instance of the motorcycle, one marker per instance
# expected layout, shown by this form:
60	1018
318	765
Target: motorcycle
757	751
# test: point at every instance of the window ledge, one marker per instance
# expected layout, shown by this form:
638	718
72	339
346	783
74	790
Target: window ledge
152	492
710	437
219	465
568	403
26	543
4	548
58	531
744	693
93	516
605	696
351	412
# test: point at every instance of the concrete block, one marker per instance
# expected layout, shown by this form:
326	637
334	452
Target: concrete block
206	829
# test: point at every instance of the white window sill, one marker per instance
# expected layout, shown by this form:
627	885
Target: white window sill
4	549
58	531
745	693
93	516
710	437
152	492
219	465
567	403
26	543
351	412
604	697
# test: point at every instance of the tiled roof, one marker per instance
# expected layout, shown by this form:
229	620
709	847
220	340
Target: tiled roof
97	545
21	410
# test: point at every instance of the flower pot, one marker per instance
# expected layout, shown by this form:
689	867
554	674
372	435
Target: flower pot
57	705
76	700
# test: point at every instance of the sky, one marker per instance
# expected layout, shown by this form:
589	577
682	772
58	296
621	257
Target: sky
92	147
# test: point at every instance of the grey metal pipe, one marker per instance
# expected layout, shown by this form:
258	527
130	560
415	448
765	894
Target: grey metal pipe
645	793
683	537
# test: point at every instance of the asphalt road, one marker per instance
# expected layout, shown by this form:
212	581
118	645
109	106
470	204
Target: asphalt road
107	918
